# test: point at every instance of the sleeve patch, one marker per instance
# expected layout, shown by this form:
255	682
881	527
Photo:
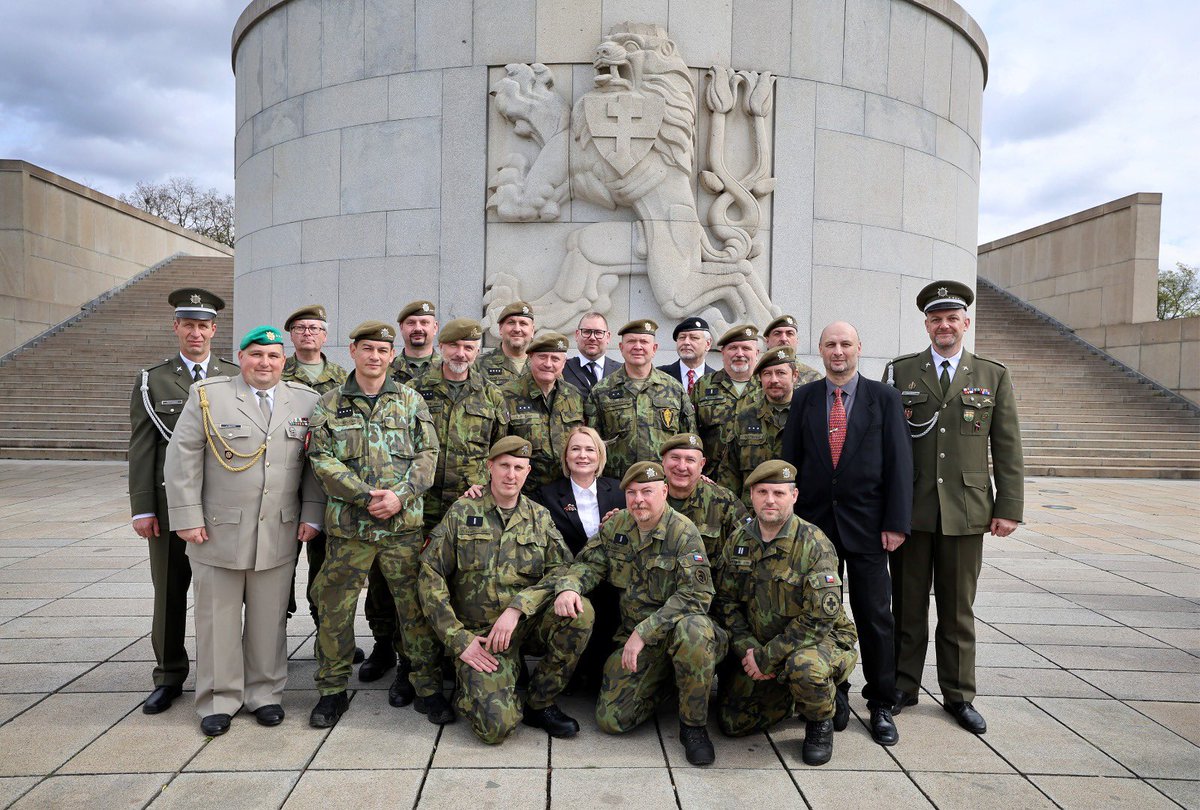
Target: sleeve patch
701	576
831	603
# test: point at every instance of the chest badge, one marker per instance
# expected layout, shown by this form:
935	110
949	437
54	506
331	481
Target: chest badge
969	415
668	417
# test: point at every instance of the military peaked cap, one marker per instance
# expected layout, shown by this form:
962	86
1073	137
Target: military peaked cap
195	303
944	295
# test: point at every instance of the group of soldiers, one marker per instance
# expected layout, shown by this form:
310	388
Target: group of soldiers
416	474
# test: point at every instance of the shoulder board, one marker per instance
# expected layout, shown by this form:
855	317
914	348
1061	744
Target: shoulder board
161	363
207	381
298	386
230	362
990	360
906	356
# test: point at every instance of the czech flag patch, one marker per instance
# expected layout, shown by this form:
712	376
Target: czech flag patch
698	557
830	579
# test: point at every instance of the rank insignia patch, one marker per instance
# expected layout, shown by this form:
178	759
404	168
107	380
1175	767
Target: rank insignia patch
474	520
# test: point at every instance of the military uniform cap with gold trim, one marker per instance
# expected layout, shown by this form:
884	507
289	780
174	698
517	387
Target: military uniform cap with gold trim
772	472
739	333
782	320
779	356
263	336
945	295
460	329
511	446
681	441
644	472
645	326
691	325
416	308
514	309
549	342
315	312
195	303
374	330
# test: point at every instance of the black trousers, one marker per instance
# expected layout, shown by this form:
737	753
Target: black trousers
870	586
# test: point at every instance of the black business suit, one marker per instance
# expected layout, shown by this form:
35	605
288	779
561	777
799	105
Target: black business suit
869	492
574	373
673	370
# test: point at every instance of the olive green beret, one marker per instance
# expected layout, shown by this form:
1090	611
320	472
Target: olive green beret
739	333
262	335
511	446
772	472
513	309
644	326
779	356
644	472
416	308
681	441
374	330
316	312
460	329
195	303
782	320
549	342
944	295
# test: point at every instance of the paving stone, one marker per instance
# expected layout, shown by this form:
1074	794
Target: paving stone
51	651
697	787
592	748
250	790
373	734
50	733
1087	792
1156	618
1184	791
10	608
932	741
13	786
247	746
77	627
1038	634
1145	686
160	743
611	787
121	676
498	788
849	791
1182	718
1139	659
980	791
39	678
13	704
87	792
1035	742
372	790
1028	682
1184	639
1070	616
458	747
142	650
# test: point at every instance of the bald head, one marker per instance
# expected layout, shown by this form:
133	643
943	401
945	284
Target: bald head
840	348
840	327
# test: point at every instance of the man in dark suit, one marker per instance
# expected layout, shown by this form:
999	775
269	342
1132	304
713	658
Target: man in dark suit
693	339
847	438
591	366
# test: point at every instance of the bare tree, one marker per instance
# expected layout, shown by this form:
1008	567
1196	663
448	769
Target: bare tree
180	200
1178	292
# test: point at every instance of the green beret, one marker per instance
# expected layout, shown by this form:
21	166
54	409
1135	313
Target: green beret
644	326
416	308
374	330
681	441
782	320
772	472
511	446
644	472
549	342
195	303
262	335
739	333
944	295
513	309
779	356
460	329
316	312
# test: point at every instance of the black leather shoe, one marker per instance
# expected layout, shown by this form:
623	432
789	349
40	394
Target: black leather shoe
359	655
215	724
401	692
901	699
436	708
161	699
883	728
270	715
555	722
818	742
381	659
697	747
967	717
329	710
841	711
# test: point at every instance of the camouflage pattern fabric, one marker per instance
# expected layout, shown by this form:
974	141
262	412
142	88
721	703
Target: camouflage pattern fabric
635	416
405	369
715	400
715	510
757	436
806	374
544	422
330	378
498	368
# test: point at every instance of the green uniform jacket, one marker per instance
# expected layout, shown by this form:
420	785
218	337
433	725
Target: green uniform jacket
756	436
498	368
806	374
716	512
476	566
355	448
715	400
780	596
331	377
167	387
633	425
405	369
662	576
951	438
544	424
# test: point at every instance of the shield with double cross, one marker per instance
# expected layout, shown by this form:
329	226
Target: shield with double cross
623	126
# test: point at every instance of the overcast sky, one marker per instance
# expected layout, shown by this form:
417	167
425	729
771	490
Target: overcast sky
1087	101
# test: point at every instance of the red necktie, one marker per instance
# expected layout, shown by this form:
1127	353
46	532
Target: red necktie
837	426
691	379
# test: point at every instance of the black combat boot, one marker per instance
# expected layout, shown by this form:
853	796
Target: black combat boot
818	742
436	708
329	710
381	659
697	747
401	692
555	722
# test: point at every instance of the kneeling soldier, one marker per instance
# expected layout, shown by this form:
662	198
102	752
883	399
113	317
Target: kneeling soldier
654	556
780	597
490	563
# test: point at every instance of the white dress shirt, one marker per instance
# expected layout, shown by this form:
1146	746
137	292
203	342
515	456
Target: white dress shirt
588	505
938	360
190	365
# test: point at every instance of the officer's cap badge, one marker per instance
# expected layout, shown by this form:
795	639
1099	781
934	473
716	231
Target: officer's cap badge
385	332
195	299
271	335
942	291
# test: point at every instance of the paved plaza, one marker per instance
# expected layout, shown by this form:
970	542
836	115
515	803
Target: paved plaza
1089	676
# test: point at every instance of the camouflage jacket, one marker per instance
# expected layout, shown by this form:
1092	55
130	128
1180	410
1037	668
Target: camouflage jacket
468	423
544	424
715	510
331	377
715	400
498	368
634	424
355	448
406	369
476	566
661	576
779	596
757	436
806	374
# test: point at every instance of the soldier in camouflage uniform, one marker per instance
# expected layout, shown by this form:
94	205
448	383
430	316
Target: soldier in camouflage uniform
638	407
374	449
780	597
468	413
715	510
758	422
487	583
716	396
508	362
655	558
418	328
543	409
782	332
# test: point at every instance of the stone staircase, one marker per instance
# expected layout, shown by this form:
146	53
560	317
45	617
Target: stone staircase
67	395
1081	413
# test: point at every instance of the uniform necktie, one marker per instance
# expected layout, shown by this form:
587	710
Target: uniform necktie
264	405
945	378
198	373
837	426
691	379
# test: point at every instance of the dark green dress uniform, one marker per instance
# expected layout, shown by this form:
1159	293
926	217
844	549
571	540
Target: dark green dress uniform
498	368
545	422
953	505
756	436
634	417
716	399
166	387
405	369
716	512
783	599
481	560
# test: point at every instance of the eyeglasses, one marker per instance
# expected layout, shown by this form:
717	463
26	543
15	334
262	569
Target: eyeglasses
592	333
308	330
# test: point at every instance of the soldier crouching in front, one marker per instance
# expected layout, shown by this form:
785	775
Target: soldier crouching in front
655	558
780	597
486	582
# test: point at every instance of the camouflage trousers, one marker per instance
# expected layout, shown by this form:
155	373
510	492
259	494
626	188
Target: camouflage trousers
689	652
804	683
338	585
489	699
